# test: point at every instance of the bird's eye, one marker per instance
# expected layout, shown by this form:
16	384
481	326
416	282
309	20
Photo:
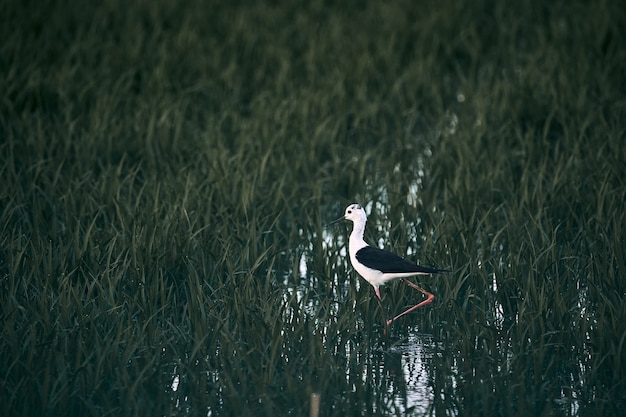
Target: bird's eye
349	211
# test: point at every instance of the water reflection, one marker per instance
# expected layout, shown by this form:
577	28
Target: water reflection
405	366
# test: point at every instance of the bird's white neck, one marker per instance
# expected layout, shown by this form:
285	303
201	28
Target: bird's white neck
356	237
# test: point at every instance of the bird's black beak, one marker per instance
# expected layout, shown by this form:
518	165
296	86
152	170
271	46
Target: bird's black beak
336	221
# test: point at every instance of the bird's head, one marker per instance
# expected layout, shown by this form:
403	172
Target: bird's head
355	213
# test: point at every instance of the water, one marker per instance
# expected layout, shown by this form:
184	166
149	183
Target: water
405	367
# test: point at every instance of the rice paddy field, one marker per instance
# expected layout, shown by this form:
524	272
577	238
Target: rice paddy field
167	169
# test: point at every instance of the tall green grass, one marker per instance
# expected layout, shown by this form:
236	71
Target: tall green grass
166	170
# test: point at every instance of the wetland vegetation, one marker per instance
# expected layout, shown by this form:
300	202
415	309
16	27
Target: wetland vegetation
167	169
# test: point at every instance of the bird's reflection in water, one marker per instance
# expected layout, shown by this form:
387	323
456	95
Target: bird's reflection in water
403	370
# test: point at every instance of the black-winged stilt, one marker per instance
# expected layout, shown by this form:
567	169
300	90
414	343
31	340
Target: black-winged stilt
378	266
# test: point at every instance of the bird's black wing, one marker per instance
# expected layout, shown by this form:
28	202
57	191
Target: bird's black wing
388	262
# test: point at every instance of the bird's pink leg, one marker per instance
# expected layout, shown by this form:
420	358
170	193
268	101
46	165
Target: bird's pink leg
377	290
429	299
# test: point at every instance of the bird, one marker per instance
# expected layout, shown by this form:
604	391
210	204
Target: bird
378	266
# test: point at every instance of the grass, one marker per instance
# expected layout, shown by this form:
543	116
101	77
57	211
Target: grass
167	169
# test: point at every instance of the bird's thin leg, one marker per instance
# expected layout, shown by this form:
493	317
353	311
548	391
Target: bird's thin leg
429	299
380	304
377	293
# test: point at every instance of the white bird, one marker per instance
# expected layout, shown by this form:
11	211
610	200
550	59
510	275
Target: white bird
378	266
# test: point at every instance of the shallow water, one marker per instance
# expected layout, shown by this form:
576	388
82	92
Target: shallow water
404	364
